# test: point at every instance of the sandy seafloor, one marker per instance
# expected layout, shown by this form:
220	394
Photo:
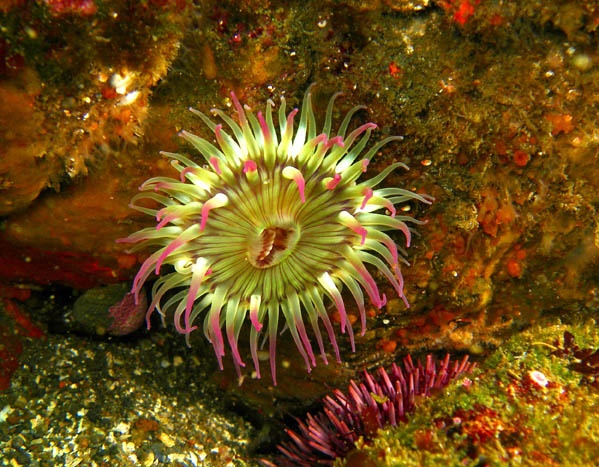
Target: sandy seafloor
76	401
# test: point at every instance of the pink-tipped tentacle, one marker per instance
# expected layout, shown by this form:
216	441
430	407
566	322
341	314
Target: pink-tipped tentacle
265	129
291	173
249	166
254	307
352	223
239	109
215	165
216	201
333	182
367	196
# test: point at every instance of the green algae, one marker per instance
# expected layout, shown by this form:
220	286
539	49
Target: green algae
524	405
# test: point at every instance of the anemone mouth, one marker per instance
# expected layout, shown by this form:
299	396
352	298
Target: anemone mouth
272	245
274	224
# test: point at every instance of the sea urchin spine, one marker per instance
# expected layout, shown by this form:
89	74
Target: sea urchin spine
378	400
272	222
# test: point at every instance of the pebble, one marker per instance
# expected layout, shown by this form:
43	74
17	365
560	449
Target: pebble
66	406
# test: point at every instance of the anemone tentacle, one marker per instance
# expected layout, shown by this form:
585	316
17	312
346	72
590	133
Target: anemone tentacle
274	220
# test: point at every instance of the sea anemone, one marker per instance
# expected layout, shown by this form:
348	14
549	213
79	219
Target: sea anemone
378	400
274	221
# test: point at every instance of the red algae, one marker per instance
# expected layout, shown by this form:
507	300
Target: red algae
10	349
16	326
71	7
46	267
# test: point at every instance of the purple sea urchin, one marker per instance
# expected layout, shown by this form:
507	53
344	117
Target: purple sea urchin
273	222
378	400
